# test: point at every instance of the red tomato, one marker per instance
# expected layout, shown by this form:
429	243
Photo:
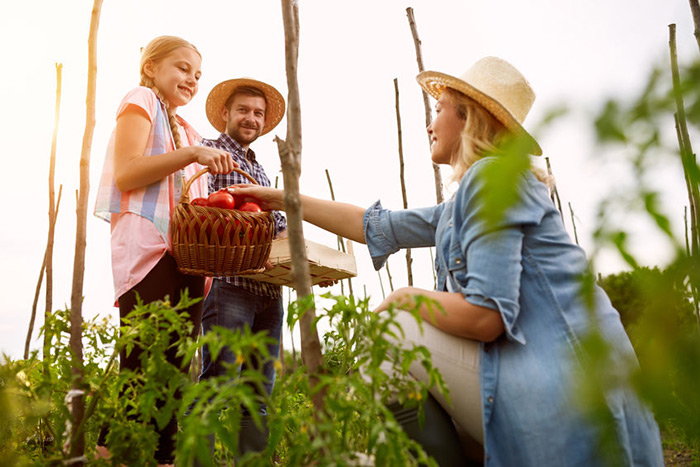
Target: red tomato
222	199
240	199
250	207
200	202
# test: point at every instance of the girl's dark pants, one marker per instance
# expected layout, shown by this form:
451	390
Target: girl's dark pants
163	280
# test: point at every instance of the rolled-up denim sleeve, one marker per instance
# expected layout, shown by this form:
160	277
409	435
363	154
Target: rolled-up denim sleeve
386	232
493	248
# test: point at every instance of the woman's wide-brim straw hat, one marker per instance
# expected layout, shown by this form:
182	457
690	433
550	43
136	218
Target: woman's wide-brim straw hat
495	84
222	91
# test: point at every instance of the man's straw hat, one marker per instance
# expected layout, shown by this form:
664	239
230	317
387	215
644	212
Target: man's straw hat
222	91
495	84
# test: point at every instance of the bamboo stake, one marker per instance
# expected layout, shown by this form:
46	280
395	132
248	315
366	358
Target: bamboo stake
682	144
432	268
554	193
76	445
573	222
47	263
685	230
341	243
47	313
388	274
689	168
291	333
687	156
402	177
695	9
381	284
290	156
426	102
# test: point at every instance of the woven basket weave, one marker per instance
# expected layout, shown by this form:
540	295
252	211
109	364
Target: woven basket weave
209	241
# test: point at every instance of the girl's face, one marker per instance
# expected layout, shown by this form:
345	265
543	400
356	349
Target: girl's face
176	76
445	131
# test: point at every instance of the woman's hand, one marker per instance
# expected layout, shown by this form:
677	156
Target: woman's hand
269	199
450	312
401	298
218	160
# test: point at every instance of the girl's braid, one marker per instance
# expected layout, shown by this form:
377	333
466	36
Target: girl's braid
172	119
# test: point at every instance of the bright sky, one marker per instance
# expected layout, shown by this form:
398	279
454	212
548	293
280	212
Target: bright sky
571	51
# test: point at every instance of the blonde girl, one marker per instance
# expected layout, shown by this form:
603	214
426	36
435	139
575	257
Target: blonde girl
150	150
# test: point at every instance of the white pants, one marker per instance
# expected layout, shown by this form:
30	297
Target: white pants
457	359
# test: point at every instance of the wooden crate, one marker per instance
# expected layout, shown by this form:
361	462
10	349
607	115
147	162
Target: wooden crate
324	263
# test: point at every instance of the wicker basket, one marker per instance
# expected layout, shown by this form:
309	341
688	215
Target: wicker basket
209	241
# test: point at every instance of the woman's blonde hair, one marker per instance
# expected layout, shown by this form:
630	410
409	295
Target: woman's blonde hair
482	134
156	50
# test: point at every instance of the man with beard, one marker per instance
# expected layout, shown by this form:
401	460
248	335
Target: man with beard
242	110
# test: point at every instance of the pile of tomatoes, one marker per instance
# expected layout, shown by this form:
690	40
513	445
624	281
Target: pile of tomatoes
224	199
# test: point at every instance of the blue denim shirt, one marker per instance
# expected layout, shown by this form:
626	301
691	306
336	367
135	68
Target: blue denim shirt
526	268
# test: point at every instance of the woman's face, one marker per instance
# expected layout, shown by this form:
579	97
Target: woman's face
445	131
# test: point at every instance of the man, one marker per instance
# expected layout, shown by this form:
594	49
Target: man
243	110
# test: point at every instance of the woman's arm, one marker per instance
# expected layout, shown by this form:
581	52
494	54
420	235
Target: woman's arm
342	219
134	170
460	318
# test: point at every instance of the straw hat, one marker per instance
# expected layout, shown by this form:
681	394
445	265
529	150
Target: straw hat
222	91
495	84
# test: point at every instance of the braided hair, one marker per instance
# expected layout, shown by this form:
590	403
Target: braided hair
156	50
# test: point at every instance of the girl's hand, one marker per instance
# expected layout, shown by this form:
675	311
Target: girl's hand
218	160
269	199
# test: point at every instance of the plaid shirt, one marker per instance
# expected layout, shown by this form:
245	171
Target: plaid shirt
249	164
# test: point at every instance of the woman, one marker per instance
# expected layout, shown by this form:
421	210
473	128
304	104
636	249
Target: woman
510	285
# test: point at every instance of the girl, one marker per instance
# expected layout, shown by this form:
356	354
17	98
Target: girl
150	150
510	286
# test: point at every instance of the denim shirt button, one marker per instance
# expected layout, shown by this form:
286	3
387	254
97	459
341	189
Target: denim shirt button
458	261
490	399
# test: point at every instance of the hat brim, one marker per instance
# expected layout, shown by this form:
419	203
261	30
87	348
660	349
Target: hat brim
434	82
222	91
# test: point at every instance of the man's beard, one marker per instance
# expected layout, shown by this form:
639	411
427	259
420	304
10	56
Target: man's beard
238	135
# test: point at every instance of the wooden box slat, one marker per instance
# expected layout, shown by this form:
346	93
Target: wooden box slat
324	263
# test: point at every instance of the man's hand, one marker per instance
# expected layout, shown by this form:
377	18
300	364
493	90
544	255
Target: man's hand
328	283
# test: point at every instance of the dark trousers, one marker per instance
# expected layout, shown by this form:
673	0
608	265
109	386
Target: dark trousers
234	308
163	280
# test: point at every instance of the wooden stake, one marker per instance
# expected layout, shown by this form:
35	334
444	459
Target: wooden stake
47	263
554	193
426	103
388	274
402	177
695	9
46	352
573	222
76	445
687	156
290	156
341	242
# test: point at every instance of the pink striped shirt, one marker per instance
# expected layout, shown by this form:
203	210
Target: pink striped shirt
140	218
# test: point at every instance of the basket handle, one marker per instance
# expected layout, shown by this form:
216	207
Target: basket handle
184	196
